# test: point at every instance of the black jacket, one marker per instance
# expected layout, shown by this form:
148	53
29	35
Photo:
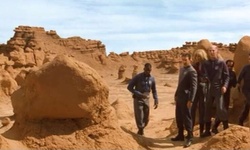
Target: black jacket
187	85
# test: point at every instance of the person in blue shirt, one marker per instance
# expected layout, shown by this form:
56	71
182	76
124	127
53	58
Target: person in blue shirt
245	76
140	86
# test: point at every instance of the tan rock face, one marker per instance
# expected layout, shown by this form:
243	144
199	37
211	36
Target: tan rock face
204	44
63	88
241	53
135	71
8	84
21	76
121	71
5	121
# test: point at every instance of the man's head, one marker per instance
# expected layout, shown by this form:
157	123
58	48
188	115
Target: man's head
186	59
213	52
147	68
230	64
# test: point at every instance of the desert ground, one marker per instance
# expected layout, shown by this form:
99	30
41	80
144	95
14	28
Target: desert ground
160	128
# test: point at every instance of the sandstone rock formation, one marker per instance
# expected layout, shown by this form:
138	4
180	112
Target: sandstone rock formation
67	89
8	84
204	44
241	53
135	71
123	111
121	71
29	46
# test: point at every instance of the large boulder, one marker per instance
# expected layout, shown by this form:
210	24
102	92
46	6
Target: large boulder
241	53
203	44
63	88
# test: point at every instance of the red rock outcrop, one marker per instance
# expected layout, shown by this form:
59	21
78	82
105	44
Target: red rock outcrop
66	88
241	53
30	45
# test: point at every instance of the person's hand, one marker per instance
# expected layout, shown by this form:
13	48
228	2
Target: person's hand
155	105
239	88
223	89
145	96
189	104
175	98
204	79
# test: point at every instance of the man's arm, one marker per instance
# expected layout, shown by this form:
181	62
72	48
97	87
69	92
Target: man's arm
131	86
242	74
204	74
154	92
225	75
193	86
234	80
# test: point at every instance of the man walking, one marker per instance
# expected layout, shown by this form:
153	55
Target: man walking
216	73
245	76
140	86
184	97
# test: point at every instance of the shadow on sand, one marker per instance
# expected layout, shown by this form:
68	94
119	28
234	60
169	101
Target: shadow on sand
153	143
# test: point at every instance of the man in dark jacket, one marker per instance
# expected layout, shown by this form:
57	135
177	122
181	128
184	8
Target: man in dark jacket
232	82
216	73
245	76
140	86
184	97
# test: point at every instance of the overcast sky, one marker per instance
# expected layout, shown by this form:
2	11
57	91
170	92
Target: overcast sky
131	25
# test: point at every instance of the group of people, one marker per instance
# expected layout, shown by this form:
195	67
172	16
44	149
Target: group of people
205	81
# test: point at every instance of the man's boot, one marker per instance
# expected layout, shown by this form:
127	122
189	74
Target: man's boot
179	137
140	131
216	124
225	124
207	131
201	128
241	123
189	139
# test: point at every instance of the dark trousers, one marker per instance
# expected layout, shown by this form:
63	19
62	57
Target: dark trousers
227	98
214	95
141	112
183	117
200	102
245	112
